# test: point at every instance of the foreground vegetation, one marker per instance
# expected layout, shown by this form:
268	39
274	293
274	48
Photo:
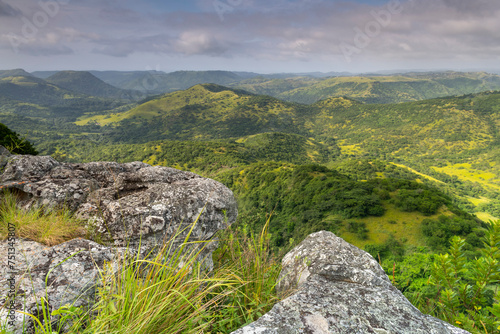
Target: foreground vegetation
168	293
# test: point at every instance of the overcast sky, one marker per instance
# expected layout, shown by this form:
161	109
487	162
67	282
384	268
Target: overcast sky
250	35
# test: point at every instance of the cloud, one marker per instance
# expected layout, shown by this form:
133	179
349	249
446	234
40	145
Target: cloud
45	50
199	43
7	10
281	31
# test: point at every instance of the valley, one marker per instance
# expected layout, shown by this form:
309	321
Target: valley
447	143
400	166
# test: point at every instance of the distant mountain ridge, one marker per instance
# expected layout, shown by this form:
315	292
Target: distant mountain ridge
310	87
374	89
82	82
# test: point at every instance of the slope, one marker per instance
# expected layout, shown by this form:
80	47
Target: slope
205	157
34	90
85	83
454	140
18	72
204	112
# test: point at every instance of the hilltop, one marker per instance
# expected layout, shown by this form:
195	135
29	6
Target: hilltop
203	112
85	83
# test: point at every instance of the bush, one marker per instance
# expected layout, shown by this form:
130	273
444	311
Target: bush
11	141
358	228
467	288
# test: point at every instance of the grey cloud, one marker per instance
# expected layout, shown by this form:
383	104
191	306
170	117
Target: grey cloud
45	50
7	10
468	6
187	43
123	47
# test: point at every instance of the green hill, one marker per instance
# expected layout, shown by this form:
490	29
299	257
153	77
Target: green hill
85	83
19	72
33	90
205	157
376	89
204	112
454	140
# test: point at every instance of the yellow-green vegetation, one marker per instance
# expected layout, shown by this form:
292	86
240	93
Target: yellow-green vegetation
485	216
465	172
404	226
46	226
418	173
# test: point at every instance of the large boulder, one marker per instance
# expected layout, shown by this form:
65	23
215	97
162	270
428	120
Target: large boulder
125	206
341	289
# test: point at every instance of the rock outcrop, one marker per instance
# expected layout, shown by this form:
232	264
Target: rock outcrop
125	205
341	289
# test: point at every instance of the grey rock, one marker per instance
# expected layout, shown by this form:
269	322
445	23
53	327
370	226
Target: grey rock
125	205
64	274
4	155
4	151
340	289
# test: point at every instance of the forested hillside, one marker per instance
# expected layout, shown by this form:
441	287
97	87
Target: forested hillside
374	89
401	180
85	83
450	143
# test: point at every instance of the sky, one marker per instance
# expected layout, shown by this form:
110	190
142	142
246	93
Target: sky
261	36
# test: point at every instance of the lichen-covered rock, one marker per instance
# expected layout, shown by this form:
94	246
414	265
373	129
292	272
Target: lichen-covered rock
125	205
4	151
4	154
64	274
341	289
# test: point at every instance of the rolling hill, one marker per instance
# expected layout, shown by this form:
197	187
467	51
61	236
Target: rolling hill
34	90
85	83
19	72
204	112
375	89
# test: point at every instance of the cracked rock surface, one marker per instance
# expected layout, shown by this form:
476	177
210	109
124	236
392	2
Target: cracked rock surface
341	289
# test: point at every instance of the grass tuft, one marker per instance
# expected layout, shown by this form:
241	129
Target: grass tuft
46	226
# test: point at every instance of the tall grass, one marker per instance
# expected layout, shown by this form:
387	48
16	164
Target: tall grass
171	292
249	257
